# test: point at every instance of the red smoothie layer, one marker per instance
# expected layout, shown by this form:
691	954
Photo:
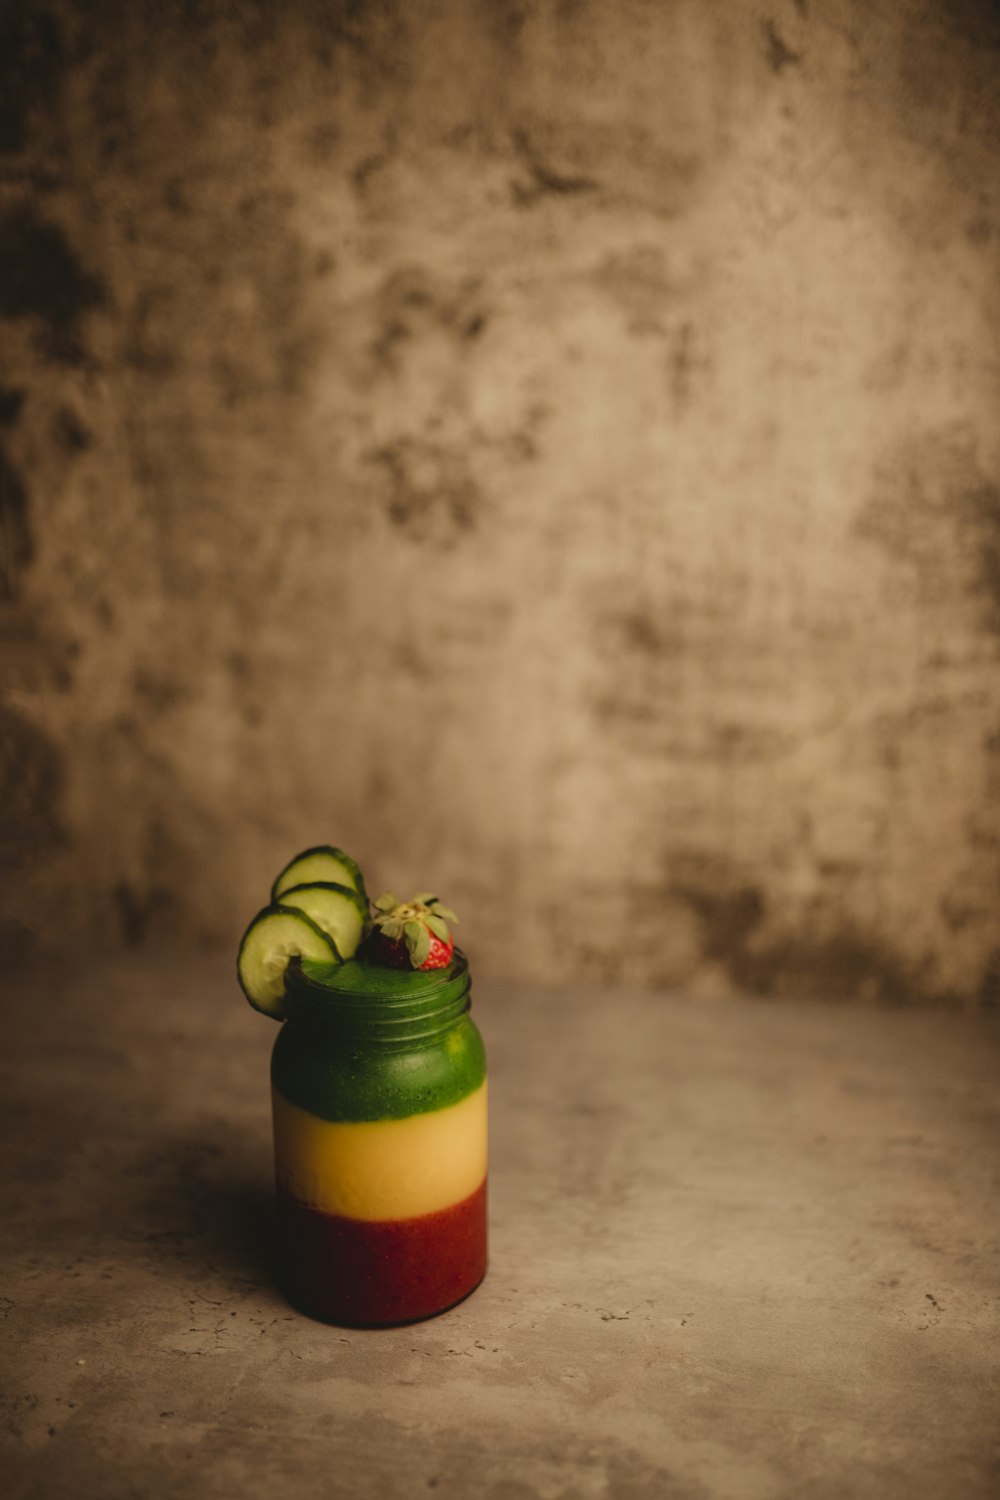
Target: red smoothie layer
361	1271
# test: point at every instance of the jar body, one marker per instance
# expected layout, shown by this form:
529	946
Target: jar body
381	1166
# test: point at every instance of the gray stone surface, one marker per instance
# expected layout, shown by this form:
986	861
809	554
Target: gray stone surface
740	1249
570	420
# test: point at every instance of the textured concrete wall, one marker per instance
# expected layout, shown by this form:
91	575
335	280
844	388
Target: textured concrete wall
549	449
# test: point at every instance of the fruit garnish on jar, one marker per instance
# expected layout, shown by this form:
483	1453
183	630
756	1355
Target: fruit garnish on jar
411	934
319	912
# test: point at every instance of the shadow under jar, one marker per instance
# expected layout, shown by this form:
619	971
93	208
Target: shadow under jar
378	1082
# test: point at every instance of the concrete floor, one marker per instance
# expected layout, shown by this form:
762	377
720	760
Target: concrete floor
739	1249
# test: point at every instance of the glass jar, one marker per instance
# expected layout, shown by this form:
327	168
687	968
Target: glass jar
379	1091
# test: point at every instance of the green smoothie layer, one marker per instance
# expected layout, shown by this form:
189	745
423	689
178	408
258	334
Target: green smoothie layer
364	1042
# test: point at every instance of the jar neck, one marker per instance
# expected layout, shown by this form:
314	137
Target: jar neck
399	1016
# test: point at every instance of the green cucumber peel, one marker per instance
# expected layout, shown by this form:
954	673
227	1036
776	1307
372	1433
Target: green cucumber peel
275	936
320	863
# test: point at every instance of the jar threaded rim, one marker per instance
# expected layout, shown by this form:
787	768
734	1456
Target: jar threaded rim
360	1007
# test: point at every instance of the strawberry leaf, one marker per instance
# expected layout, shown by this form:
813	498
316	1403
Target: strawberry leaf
444	911
391	928
426	898
386	902
420	947
438	926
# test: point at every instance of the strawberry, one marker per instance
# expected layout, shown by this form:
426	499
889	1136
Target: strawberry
412	934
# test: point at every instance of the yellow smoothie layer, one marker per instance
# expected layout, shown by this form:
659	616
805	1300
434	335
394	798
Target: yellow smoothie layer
382	1169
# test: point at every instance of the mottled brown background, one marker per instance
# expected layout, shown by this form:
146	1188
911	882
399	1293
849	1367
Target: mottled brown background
549	449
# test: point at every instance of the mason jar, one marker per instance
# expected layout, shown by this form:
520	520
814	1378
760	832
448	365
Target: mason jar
380	1137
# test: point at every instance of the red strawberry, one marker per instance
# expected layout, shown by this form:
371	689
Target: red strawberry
396	954
439	956
412	934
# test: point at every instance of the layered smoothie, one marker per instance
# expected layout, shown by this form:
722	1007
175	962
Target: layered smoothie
380	1123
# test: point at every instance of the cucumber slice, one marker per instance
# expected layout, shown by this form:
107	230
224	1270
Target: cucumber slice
337	909
275	935
323	863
